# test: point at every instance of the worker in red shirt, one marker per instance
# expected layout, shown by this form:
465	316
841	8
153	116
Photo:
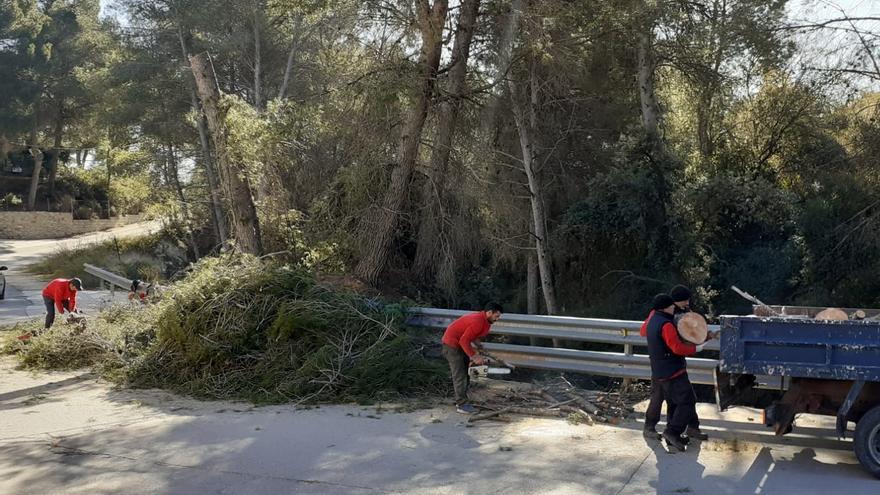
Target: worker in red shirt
681	297
669	369
461	340
60	294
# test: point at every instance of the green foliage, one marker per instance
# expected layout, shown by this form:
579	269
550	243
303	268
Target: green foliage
154	257
240	328
9	201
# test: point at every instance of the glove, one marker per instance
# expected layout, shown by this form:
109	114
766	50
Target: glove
700	347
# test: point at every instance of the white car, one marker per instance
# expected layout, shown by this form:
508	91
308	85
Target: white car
2	283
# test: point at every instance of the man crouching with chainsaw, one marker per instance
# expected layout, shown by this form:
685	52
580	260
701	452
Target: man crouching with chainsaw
459	342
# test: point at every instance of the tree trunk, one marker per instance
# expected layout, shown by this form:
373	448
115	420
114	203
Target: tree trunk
35	178
207	158
56	150
532	285
258	59
236	184
184	205
532	290
429	248
647	95
704	125
525	117
378	231
291	59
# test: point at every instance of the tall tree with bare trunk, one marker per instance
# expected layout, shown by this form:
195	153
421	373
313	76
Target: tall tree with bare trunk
236	184
433	250
378	230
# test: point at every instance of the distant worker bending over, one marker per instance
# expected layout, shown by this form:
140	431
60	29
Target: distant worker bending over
60	294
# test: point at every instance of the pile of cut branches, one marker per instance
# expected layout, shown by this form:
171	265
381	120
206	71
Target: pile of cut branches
238	327
557	398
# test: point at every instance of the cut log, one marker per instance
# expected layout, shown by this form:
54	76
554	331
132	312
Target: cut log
832	314
693	328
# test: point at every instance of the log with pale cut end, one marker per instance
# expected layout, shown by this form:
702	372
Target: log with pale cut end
832	314
693	328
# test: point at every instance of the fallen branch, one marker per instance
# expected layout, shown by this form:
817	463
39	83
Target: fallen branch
488	415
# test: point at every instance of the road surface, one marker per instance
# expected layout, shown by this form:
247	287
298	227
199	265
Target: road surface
70	433
23	290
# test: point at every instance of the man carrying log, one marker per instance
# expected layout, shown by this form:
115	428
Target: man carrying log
681	297
461	340
669	369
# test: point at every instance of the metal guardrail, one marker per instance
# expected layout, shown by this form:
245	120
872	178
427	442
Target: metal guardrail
626	364
111	279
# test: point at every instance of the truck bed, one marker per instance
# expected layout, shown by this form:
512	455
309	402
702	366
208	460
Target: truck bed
801	348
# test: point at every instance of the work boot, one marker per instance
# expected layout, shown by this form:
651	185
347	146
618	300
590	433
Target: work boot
466	409
694	432
651	434
674	440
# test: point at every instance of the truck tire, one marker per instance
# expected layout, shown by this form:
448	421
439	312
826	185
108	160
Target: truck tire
866	442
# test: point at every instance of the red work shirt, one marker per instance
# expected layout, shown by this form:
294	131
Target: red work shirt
465	330
59	291
644	330
677	346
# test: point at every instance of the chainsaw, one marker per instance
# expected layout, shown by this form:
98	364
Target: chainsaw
486	370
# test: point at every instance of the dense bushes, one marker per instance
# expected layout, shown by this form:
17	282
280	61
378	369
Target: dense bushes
241	328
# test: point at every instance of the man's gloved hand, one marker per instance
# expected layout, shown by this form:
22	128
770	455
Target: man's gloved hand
478	360
700	347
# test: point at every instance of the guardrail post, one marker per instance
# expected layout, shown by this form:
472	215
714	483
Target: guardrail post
627	350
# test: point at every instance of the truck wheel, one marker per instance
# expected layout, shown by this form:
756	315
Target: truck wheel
867	441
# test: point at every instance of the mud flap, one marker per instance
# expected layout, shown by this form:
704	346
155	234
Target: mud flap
843	412
730	387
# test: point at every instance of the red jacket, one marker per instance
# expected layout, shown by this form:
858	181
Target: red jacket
465	330
644	330
59	291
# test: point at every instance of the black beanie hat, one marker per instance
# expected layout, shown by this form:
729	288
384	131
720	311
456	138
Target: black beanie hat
680	293
661	301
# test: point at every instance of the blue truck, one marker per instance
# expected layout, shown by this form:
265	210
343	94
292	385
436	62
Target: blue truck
829	368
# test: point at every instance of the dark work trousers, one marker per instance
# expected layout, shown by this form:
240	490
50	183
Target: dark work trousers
50	309
458	365
681	401
652	414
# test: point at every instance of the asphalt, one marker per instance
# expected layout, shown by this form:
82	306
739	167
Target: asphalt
23	290
71	433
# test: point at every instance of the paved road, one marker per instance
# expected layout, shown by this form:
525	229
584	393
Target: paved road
69	433
23	298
